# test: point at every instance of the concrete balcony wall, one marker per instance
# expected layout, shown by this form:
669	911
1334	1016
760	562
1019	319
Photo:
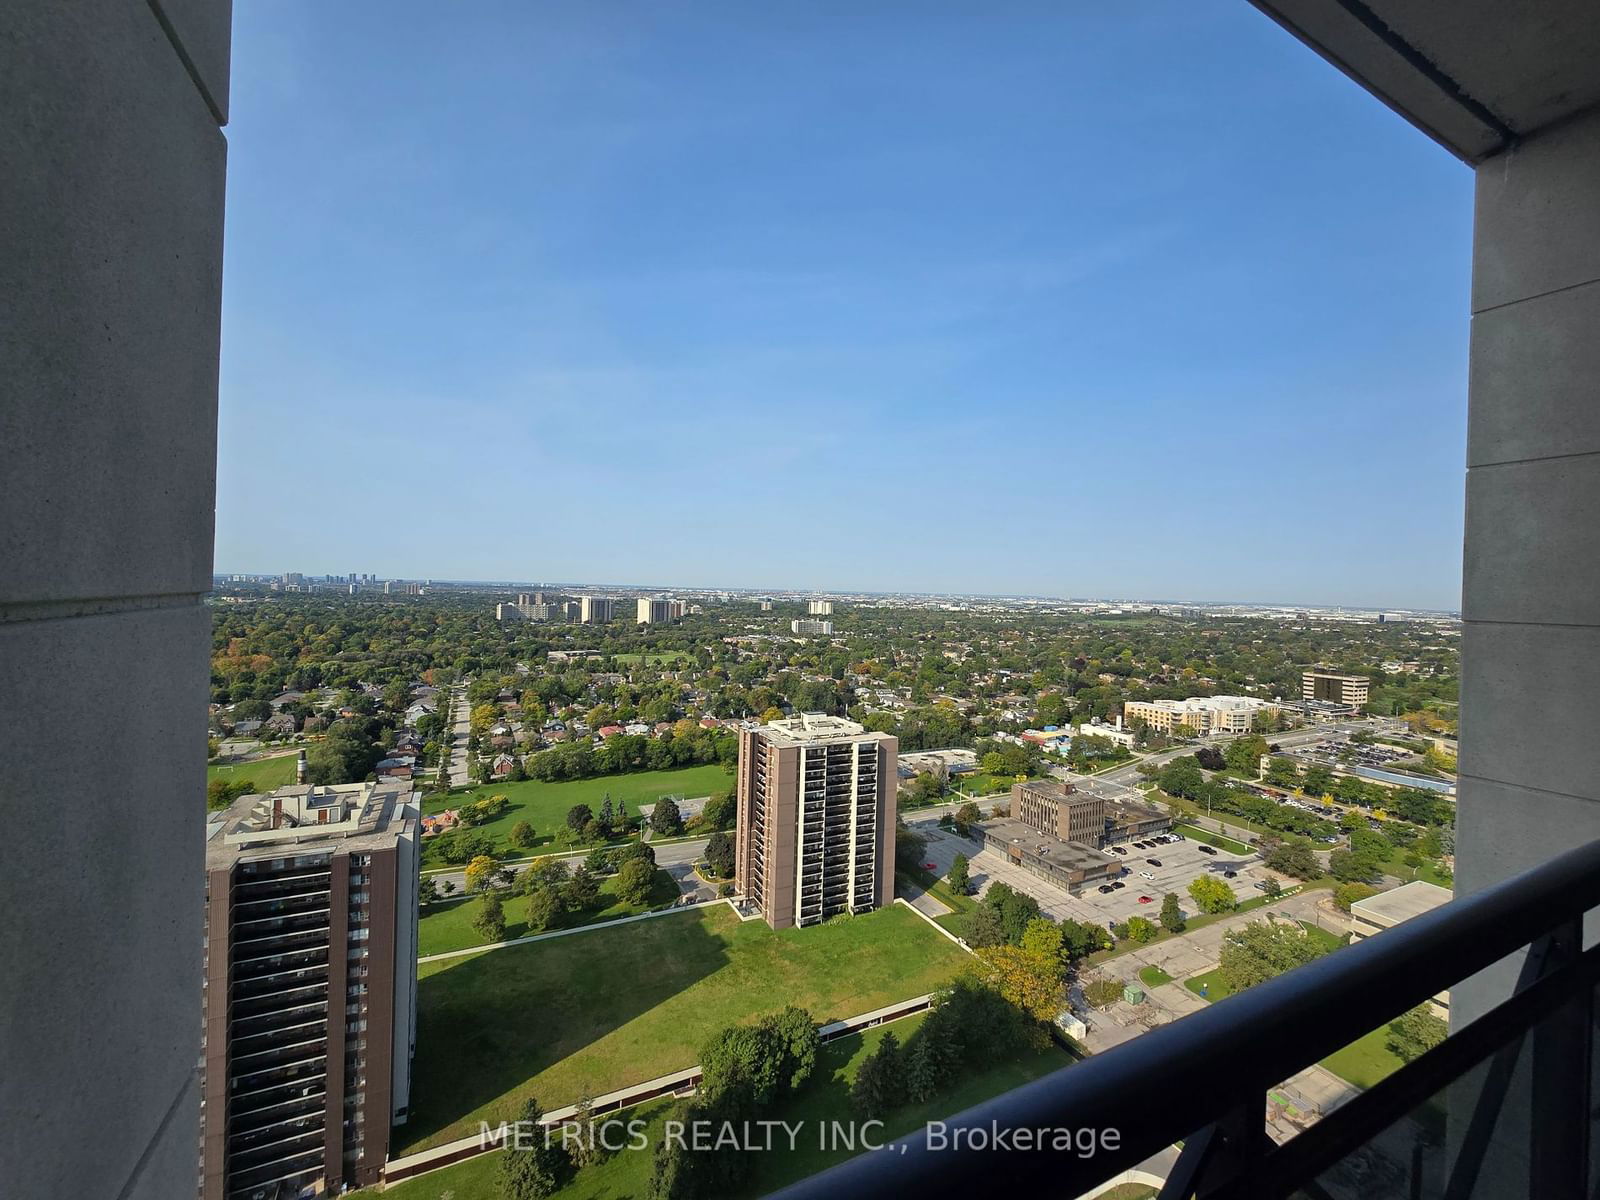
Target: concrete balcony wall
111	217
1530	689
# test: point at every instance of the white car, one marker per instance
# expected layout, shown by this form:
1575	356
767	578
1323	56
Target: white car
1146	875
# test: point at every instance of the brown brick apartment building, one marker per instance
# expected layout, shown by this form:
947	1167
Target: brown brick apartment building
816	819
309	988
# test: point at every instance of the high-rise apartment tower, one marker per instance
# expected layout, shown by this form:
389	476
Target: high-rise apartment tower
816	819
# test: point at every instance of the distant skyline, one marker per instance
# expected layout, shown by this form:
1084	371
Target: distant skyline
1031	299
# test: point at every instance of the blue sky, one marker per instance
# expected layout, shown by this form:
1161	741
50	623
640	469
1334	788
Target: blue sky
1050	298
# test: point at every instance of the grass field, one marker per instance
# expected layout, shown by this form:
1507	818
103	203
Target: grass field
597	1011
447	924
1216	987
545	805
1153	977
265	773
1212	838
1364	1061
824	1099
674	658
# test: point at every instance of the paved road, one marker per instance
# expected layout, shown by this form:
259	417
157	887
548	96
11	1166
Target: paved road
460	729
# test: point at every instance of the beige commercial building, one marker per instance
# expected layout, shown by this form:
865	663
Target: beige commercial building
1204	714
816	819
1317	684
1388	909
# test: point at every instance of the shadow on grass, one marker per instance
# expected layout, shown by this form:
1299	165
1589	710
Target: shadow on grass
489	1023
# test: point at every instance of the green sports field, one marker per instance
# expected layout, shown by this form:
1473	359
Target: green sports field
265	773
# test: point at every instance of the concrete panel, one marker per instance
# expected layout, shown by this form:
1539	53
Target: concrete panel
108	354
1529	707
1502	831
1534	389
1534	553
101	881
1537	227
169	1161
202	33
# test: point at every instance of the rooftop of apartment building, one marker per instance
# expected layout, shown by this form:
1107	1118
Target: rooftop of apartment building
810	728
369	813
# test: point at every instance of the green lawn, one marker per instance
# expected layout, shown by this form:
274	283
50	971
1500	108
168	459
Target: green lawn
673	658
1364	1061
600	1010
1216	987
447	924
1322	938
545	805
265	773
1154	977
1212	838
824	1099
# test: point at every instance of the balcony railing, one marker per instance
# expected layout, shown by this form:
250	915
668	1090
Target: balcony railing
1203	1081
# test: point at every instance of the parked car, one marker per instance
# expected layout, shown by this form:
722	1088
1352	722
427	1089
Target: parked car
1146	875
1154	862
1118	884
1118	850
1205	849
930	866
1229	874
1146	900
1104	888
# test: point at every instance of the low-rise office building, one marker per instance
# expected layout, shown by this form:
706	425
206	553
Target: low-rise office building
1067	864
1388	909
1319	684
1205	715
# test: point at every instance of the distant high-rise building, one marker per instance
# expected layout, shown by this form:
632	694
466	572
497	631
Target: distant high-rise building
820	608
388	587
1319	684
766	606
676	609
595	610
309	988
654	612
806	625
816	817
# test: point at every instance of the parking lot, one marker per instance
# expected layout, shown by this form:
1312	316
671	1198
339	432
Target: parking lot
1180	863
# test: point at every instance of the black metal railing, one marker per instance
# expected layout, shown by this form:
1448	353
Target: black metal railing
1202	1081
